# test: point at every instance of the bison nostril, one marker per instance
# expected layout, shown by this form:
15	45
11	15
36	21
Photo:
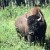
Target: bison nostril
31	32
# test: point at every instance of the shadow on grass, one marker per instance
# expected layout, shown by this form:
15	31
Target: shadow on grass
47	47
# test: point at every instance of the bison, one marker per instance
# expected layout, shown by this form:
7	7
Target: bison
32	25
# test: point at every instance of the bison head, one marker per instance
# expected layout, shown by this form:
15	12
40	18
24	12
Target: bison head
33	23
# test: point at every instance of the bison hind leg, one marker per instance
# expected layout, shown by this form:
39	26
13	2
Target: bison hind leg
18	33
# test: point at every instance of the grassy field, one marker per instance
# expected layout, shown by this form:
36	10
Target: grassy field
8	35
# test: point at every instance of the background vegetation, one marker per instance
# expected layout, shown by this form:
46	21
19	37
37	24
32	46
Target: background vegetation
8	35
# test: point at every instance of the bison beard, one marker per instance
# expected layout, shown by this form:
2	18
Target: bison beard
38	29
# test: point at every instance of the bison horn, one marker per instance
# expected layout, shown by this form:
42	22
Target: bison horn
39	16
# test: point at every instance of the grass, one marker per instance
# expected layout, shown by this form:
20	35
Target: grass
8	35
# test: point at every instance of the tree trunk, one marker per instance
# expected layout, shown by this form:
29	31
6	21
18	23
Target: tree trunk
45	2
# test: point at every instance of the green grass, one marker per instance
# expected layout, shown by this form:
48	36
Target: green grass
8	35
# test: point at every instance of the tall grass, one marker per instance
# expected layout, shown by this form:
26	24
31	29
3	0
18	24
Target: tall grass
8	35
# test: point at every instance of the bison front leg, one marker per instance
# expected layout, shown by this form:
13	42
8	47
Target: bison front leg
29	38
43	40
